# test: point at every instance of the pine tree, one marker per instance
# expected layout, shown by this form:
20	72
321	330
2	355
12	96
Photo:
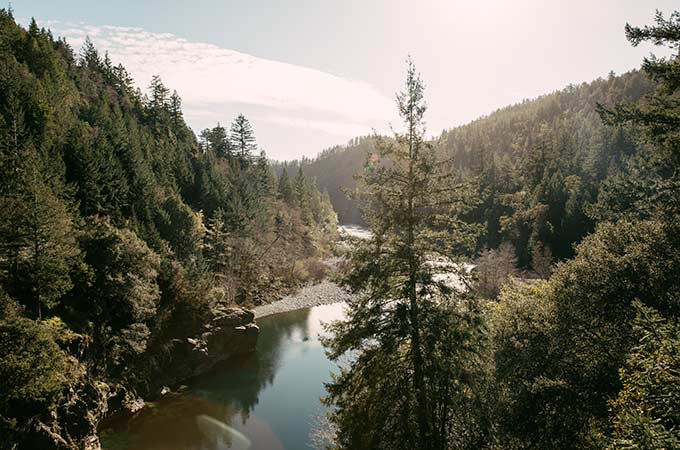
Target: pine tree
266	180
216	140
176	111
37	238
158	102
285	187
301	196
315	201
90	55
652	185
242	137
400	389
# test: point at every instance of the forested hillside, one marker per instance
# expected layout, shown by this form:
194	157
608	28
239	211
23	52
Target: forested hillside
582	355
539	164
334	170
120	232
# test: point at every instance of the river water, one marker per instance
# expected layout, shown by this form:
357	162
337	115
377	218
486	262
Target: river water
263	401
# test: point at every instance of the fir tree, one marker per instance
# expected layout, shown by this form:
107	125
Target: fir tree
301	195
285	187
38	239
216	140
176	110
391	395
242	137
158	102
266	180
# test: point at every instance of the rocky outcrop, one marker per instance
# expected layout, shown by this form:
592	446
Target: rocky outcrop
229	332
73	423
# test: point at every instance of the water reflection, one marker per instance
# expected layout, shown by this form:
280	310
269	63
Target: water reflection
269	396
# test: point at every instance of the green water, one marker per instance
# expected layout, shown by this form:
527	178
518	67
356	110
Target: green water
270	396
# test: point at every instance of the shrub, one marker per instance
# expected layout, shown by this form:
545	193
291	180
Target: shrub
33	370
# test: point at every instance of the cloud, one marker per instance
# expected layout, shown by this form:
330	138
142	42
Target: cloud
327	126
211	79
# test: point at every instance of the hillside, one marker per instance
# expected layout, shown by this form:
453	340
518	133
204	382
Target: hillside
539	164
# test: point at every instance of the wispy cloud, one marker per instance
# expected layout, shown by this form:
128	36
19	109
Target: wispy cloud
341	128
211	80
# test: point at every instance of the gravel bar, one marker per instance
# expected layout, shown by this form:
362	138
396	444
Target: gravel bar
323	293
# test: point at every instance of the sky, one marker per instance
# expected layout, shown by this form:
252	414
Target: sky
310	74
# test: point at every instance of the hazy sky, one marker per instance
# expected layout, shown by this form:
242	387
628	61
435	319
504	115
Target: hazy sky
313	73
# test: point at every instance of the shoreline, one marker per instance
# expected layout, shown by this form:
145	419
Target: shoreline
324	293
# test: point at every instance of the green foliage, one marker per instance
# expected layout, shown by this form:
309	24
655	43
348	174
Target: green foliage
539	163
122	295
124	226
36	236
182	227
34	371
285	187
301	196
558	345
559	349
534	408
216	140
646	412
406	385
335	170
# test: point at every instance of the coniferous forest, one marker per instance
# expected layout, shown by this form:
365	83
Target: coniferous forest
132	251
122	232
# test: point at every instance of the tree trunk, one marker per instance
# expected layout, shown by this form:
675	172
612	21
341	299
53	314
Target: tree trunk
416	351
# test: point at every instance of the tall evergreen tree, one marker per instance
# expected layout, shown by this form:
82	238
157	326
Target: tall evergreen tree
302	196
216	140
158	102
242	137
37	238
285	187
266	180
401	389
176	110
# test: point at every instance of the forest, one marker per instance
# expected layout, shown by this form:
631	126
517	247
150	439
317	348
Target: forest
125	237
557	138
121	232
565	334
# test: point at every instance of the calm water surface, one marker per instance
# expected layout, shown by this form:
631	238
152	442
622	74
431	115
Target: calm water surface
270	396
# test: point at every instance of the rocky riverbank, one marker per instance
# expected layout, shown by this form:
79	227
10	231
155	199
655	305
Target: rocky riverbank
323	293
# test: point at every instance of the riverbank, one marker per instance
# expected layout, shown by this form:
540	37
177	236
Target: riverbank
323	293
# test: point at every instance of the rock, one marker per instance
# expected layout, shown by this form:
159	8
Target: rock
165	390
323	293
134	405
229	332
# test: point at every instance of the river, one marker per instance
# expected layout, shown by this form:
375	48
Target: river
269	397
